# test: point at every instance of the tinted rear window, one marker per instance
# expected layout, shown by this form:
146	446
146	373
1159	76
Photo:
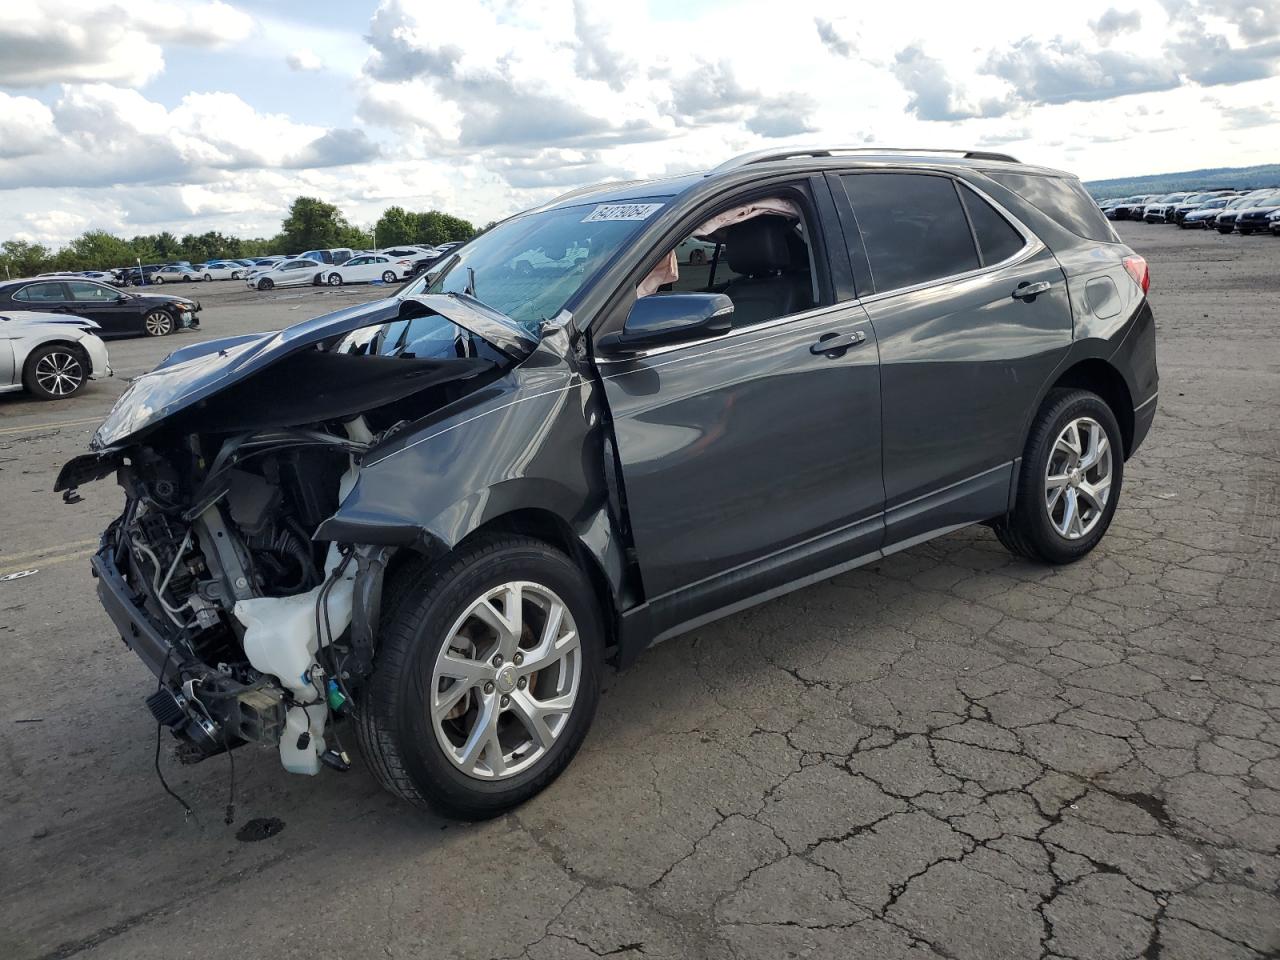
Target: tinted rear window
997	238
912	226
1064	200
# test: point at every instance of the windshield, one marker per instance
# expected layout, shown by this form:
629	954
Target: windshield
530	266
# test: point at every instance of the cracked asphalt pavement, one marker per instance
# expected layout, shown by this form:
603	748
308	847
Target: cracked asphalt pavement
951	753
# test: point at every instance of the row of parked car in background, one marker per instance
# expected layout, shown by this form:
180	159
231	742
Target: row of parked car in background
52	326
1227	211
333	266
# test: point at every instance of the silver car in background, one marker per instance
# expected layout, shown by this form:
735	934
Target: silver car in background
51	357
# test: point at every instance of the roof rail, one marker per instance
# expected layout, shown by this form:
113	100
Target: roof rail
785	153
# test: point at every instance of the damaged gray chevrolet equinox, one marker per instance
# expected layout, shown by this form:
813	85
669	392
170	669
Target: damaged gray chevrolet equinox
603	423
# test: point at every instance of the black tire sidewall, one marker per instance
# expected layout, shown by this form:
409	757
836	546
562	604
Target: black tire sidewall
1059	411
29	372
431	617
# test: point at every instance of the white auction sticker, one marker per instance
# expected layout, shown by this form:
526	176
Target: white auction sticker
622	211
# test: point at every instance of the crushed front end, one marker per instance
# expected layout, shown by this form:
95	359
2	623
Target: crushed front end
230	456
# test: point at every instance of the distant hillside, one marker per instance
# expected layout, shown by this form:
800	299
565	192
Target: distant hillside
1244	178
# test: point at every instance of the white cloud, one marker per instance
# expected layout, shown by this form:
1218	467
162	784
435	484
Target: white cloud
102	135
304	60
65	41
488	106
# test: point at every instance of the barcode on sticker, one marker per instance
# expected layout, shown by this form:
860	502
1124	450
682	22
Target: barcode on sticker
622	211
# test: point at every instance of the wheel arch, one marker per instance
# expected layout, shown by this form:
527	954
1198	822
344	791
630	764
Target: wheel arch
552	529
1098	376
24	361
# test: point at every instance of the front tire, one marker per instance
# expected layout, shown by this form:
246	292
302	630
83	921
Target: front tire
487	679
1069	480
266	283
55	372
157	280
335	280
157	323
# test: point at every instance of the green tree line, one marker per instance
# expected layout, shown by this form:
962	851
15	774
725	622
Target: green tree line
310	224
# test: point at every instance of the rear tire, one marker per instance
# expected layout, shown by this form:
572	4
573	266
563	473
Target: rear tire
423	606
388	277
1034	528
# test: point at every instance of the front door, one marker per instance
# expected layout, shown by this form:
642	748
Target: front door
750	460
104	306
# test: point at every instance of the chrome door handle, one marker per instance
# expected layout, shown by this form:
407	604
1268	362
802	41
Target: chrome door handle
1027	292
834	344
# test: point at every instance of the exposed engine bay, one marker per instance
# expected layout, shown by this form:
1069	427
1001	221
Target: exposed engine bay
221	559
256	632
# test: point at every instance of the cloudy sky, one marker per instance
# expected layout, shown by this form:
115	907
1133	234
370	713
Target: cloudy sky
141	115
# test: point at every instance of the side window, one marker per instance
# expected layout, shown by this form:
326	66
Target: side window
83	292
41	293
913	227
1063	199
757	253
997	238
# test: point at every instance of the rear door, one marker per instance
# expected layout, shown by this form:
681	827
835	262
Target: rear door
48	296
971	314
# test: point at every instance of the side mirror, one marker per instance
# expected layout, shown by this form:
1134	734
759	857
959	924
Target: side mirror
660	320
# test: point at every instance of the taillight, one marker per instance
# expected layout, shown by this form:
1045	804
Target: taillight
1137	267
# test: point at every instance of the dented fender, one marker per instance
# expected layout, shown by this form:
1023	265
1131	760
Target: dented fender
535	439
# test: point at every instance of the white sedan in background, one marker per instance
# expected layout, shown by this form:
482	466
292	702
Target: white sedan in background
221	270
50	356
288	273
367	268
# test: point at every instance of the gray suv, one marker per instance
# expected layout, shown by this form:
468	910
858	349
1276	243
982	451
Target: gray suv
434	517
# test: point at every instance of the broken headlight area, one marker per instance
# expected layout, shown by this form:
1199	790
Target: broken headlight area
256	632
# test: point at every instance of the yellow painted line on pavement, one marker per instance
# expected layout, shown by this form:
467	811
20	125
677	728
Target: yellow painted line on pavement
6	431
8	558
40	563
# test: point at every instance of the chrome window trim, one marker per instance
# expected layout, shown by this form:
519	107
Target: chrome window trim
1032	248
1032	245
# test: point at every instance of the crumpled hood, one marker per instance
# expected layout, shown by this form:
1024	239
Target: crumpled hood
194	374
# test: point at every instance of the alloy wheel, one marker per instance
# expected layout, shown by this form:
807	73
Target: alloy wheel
158	323
388	277
505	682
1078	478
59	373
